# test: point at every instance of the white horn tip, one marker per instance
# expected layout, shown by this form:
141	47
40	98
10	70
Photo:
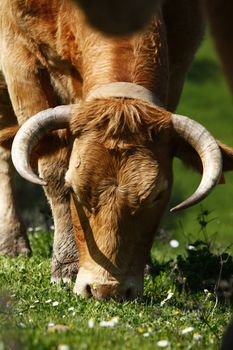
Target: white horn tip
40	181
172	210
36	180
184	205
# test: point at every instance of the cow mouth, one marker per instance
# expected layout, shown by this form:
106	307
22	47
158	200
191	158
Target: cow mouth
35	128
129	288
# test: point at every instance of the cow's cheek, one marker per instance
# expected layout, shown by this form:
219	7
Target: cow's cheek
78	232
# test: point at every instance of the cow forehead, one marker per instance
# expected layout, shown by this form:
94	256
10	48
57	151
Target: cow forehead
93	158
129	176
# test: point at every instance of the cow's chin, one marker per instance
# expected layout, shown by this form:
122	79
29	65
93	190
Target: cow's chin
106	287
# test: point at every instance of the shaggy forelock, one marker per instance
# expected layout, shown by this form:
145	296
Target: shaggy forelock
120	123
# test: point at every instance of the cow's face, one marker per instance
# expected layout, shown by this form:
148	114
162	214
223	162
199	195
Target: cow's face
119	196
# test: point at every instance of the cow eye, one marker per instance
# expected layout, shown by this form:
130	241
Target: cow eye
159	196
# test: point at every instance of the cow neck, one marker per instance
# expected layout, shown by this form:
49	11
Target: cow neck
124	90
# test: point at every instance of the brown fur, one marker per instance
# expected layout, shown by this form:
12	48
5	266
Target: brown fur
7	135
120	123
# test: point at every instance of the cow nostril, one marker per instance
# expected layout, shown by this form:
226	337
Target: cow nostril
108	291
88	291
129	294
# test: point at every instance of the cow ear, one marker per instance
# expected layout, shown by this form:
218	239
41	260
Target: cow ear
190	158
7	136
227	156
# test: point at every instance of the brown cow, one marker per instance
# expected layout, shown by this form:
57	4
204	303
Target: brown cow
119	140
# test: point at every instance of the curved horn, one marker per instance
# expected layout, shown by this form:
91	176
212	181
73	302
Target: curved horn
31	132
208	150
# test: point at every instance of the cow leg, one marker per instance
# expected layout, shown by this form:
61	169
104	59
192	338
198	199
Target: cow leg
13	238
65	254
30	92
185	29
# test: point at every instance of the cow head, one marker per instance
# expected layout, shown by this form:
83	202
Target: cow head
119	181
120	178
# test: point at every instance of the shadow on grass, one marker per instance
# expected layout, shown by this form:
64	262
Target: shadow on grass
200	269
204	270
204	69
9	332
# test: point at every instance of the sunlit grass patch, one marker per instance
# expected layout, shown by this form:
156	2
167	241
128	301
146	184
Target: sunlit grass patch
37	315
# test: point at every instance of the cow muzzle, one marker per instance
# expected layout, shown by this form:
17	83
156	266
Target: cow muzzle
127	288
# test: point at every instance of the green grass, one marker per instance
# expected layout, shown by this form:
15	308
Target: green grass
27	309
206	98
